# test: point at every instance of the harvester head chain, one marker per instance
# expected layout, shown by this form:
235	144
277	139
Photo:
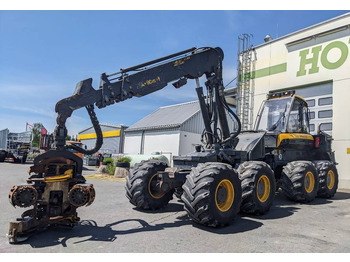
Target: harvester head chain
23	195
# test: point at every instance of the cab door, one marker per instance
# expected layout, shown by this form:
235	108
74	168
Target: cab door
297	135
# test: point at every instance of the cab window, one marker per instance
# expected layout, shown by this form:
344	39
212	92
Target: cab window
272	116
298	121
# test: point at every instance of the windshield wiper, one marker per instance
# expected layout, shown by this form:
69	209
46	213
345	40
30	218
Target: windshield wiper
275	125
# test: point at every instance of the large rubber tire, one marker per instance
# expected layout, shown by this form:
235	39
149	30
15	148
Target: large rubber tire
300	181
212	194
258	187
139	185
328	178
178	192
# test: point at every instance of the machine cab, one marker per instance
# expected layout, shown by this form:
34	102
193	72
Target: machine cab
283	112
285	116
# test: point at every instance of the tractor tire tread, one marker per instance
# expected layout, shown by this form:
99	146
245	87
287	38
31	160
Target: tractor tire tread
248	172
293	181
197	193
137	182
323	166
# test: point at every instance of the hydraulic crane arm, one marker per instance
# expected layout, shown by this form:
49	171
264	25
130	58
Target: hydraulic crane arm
147	78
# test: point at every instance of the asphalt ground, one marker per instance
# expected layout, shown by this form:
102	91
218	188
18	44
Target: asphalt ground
112	225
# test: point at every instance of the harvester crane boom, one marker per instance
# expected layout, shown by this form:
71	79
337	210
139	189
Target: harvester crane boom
150	77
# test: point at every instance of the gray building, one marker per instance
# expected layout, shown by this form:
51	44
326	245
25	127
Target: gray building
113	138
172	130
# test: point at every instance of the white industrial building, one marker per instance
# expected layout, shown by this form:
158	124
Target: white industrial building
171	130
315	62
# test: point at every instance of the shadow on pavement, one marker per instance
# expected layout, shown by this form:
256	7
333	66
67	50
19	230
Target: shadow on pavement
282	200
239	225
281	208
170	208
341	196
276	212
88	230
60	235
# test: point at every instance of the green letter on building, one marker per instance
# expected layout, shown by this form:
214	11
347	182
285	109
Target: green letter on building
344	55
312	60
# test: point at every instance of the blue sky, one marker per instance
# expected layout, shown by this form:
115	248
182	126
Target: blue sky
43	54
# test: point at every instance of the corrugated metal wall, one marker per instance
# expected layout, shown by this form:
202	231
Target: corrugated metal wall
149	141
196	125
133	142
161	141
104	128
110	144
3	138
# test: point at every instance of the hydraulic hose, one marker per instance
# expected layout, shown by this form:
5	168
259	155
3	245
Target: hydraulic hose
238	131
99	136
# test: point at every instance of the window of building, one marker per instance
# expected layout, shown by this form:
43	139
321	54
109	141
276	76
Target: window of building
310	102
325	101
312	128
311	115
326	127
325	113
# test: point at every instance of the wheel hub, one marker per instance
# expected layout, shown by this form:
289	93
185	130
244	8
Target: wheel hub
330	179
224	195
263	188
309	182
153	188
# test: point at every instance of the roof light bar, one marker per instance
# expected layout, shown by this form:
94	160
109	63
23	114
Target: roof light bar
281	94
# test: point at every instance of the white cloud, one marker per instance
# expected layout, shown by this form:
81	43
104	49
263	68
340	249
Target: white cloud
33	91
28	103
30	109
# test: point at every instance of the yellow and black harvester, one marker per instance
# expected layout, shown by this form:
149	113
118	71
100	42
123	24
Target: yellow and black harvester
230	171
